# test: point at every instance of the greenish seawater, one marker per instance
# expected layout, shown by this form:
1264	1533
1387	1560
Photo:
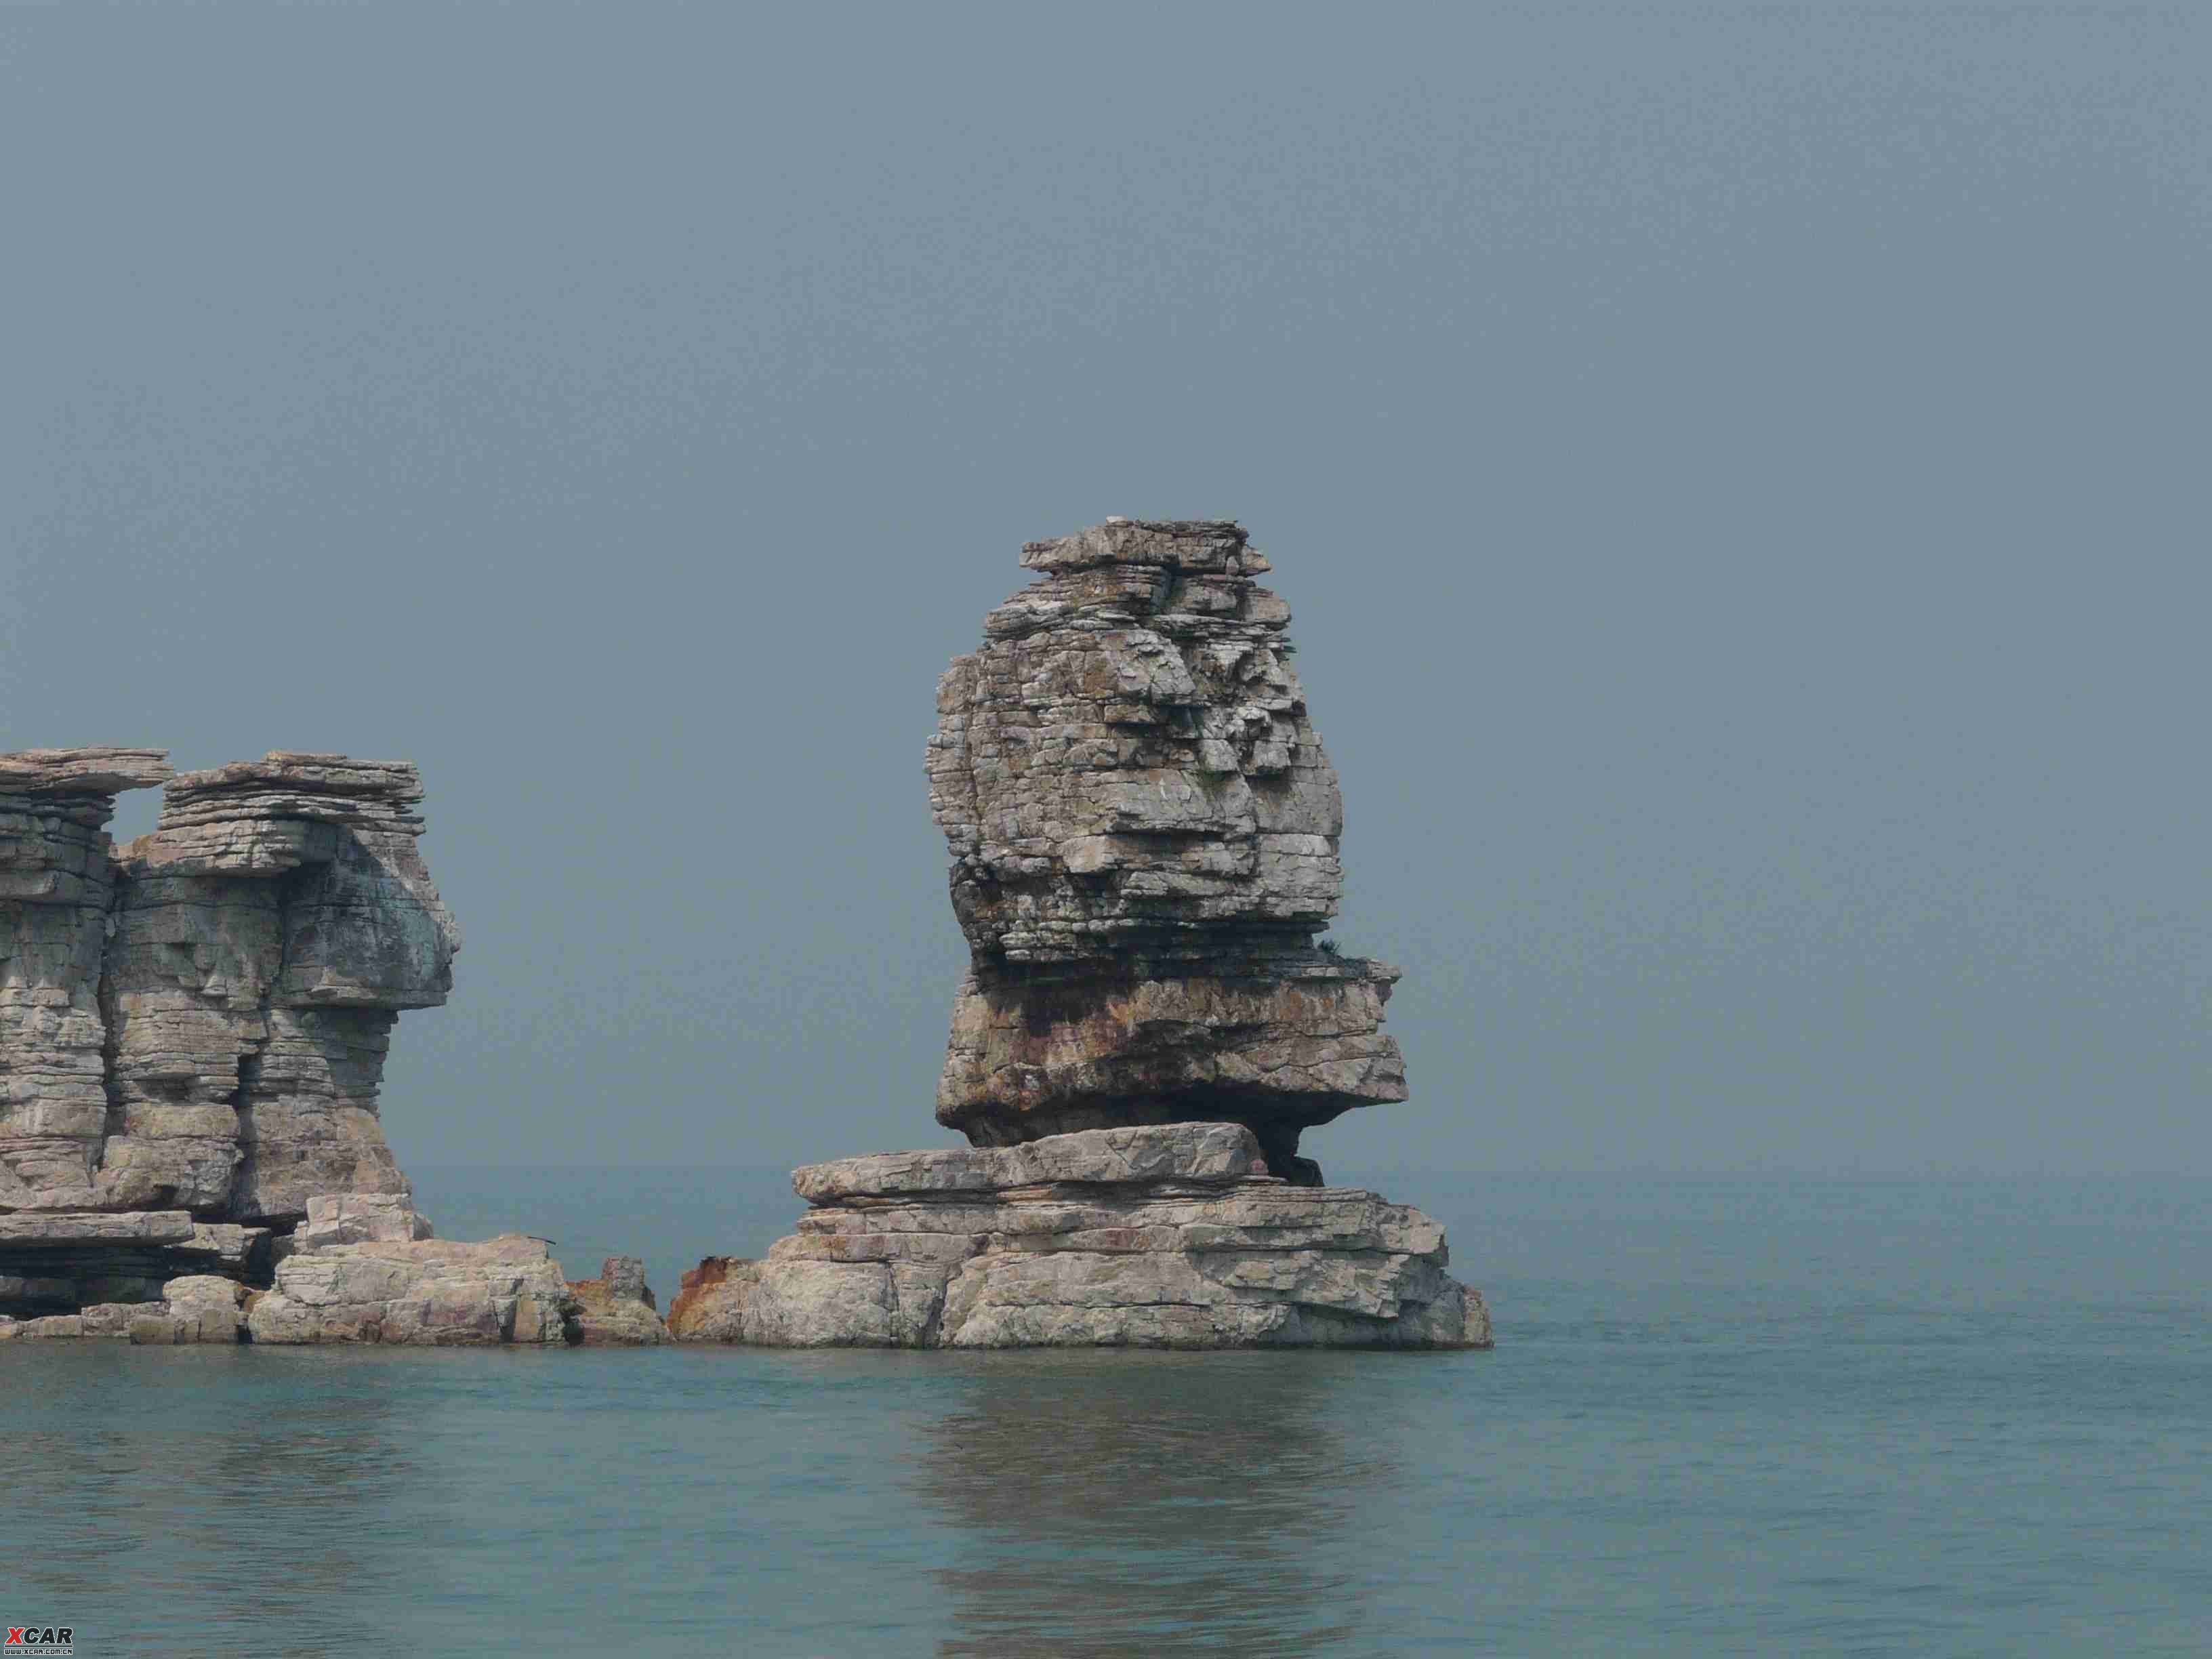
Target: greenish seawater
1733	1416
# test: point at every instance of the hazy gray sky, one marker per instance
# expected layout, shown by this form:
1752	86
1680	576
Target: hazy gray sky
1739	476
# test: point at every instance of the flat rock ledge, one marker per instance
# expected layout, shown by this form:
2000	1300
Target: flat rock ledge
364	1268
1171	1236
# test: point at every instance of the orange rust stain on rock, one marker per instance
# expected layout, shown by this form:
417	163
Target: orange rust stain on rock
697	1281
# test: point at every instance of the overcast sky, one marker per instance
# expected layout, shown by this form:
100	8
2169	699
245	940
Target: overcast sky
1739	477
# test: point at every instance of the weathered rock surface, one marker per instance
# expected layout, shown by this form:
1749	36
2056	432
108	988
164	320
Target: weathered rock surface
56	1263
364	1267
616	1310
194	1029
357	1218
193	1310
1143	832
713	1299
267	933
371	1272
110	1319
1150	1238
47	1328
56	888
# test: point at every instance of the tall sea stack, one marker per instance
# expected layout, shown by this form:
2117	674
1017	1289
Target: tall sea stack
1144	831
1143	834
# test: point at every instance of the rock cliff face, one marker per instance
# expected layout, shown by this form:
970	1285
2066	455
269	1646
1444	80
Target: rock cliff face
57	887
1143	832
192	1029
267	933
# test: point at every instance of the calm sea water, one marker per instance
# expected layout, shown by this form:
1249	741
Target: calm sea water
1723	1417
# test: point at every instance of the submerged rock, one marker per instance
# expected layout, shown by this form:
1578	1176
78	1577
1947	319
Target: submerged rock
1148	1237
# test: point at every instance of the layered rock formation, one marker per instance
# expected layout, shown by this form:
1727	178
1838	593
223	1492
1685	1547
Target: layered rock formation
58	885
367	1270
366	1267
56	1264
1169	1236
1143	832
267	933
192	1029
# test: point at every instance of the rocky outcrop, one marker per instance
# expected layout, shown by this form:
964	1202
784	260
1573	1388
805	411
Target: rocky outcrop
196	1310
1159	1237
366	1271
616	1310
362	1268
267	933
1144	831
712	1302
57	887
193	1030
52	1264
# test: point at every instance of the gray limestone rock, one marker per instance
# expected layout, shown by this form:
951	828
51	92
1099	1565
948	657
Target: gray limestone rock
267	934
47	1229
358	1219
194	1028
198	1308
56	888
51	1328
401	1285
1205	1152
112	1319
1165	1237
1143	832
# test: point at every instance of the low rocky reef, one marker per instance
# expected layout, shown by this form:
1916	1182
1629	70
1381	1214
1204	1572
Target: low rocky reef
1165	1237
366	1267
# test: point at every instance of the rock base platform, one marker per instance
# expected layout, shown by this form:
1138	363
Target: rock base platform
364	1268
1173	1236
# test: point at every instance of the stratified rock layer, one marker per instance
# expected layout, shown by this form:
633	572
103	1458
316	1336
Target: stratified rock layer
1143	832
368	1271
198	1024
267	934
1163	1237
57	887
